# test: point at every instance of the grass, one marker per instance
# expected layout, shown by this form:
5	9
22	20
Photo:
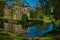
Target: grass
54	34
8	36
46	38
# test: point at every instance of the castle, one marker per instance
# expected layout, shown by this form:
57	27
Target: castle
14	12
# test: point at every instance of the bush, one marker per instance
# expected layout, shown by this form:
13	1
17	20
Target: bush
24	17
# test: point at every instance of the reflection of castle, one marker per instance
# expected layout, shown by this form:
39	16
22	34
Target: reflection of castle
14	12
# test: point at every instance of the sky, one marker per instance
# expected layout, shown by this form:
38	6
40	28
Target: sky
31	3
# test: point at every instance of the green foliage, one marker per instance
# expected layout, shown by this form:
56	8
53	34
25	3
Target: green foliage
8	36
1	23
2	5
25	39
33	14
57	37
25	25
46	17
41	16
46	38
24	17
56	5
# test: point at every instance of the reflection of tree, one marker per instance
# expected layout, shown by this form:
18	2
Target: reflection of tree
24	19
2	5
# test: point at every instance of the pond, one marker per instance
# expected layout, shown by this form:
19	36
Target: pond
33	31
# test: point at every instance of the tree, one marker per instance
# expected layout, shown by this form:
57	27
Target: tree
2	5
33	14
24	21
24	17
56	8
56	5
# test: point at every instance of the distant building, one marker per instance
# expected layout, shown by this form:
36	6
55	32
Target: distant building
26	11
17	14
14	12
7	12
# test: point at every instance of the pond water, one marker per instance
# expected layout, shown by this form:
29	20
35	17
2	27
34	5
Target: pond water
33	31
